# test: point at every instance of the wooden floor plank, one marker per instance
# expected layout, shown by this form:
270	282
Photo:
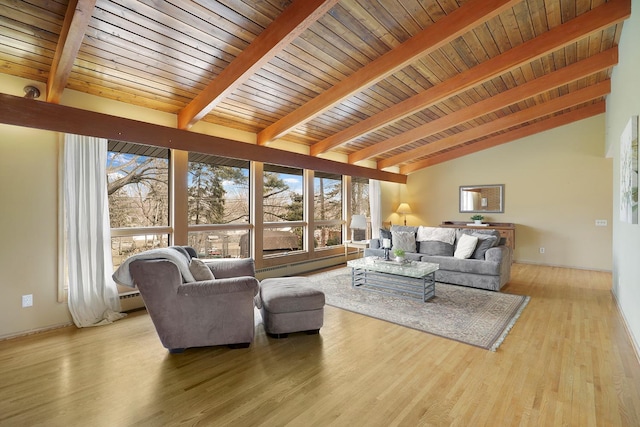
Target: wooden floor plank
568	360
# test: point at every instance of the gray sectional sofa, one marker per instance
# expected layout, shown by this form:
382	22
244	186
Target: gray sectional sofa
479	260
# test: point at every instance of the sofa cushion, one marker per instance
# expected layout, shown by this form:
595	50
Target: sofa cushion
474	266
380	253
435	240
436	248
465	246
199	270
404	240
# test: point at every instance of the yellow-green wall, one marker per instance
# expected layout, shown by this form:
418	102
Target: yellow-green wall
557	183
28	226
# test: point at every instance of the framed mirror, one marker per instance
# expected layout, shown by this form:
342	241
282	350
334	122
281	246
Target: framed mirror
482	198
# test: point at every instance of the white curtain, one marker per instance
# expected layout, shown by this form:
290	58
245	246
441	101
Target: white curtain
93	295
375	208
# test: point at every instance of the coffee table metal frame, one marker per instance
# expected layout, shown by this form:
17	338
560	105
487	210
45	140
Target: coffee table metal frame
407	280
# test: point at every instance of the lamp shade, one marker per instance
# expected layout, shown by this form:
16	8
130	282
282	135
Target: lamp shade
358	222
404	208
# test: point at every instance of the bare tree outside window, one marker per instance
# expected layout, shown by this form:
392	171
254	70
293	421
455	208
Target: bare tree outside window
283	201
138	194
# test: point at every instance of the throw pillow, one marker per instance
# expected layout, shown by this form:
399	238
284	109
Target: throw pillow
435	248
200	271
475	232
485	241
408	228
440	234
465	247
403	240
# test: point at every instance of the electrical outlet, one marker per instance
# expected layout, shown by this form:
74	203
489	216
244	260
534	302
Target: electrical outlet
541	250
27	300
601	222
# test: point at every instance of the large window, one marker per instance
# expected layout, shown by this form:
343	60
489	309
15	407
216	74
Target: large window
138	192
327	208
218	206
283	210
218	196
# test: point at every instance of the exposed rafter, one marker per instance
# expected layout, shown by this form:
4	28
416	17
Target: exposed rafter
75	25
530	89
382	83
580	27
431	38
513	135
282	31
558	104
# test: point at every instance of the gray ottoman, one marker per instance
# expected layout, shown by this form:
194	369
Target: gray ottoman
287	307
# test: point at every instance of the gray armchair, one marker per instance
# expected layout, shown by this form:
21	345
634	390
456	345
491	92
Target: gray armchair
199	314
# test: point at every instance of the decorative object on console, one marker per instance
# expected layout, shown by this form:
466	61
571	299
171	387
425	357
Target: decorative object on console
358	227
477	219
507	230
404	209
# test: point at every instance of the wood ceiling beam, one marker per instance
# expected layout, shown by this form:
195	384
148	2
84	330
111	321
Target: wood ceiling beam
19	111
457	23
560	103
597	19
513	135
563	76
76	21
292	22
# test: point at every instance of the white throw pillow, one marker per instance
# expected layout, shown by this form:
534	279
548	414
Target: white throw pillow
465	247
438	234
200	270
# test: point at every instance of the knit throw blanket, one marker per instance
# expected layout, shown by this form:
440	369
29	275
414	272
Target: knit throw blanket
123	277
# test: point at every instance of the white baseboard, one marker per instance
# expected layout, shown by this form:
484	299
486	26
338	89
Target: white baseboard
634	343
517	261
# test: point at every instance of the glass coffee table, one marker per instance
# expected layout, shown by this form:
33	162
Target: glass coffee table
409	279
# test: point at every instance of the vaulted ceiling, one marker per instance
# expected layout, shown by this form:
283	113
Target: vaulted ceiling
406	83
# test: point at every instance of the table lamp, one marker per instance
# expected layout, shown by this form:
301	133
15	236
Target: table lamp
404	209
358	227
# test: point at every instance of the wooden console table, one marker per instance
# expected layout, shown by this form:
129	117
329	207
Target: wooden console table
506	229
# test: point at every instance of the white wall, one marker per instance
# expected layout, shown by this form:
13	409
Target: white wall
622	103
557	183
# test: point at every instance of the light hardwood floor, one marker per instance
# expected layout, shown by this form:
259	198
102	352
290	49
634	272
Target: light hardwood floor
567	361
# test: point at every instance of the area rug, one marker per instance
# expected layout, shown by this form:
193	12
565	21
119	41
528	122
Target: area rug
471	316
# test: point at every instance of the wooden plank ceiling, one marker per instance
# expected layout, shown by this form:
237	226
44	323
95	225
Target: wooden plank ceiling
404	83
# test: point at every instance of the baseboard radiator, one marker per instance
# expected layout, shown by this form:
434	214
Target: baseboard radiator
296	268
130	301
